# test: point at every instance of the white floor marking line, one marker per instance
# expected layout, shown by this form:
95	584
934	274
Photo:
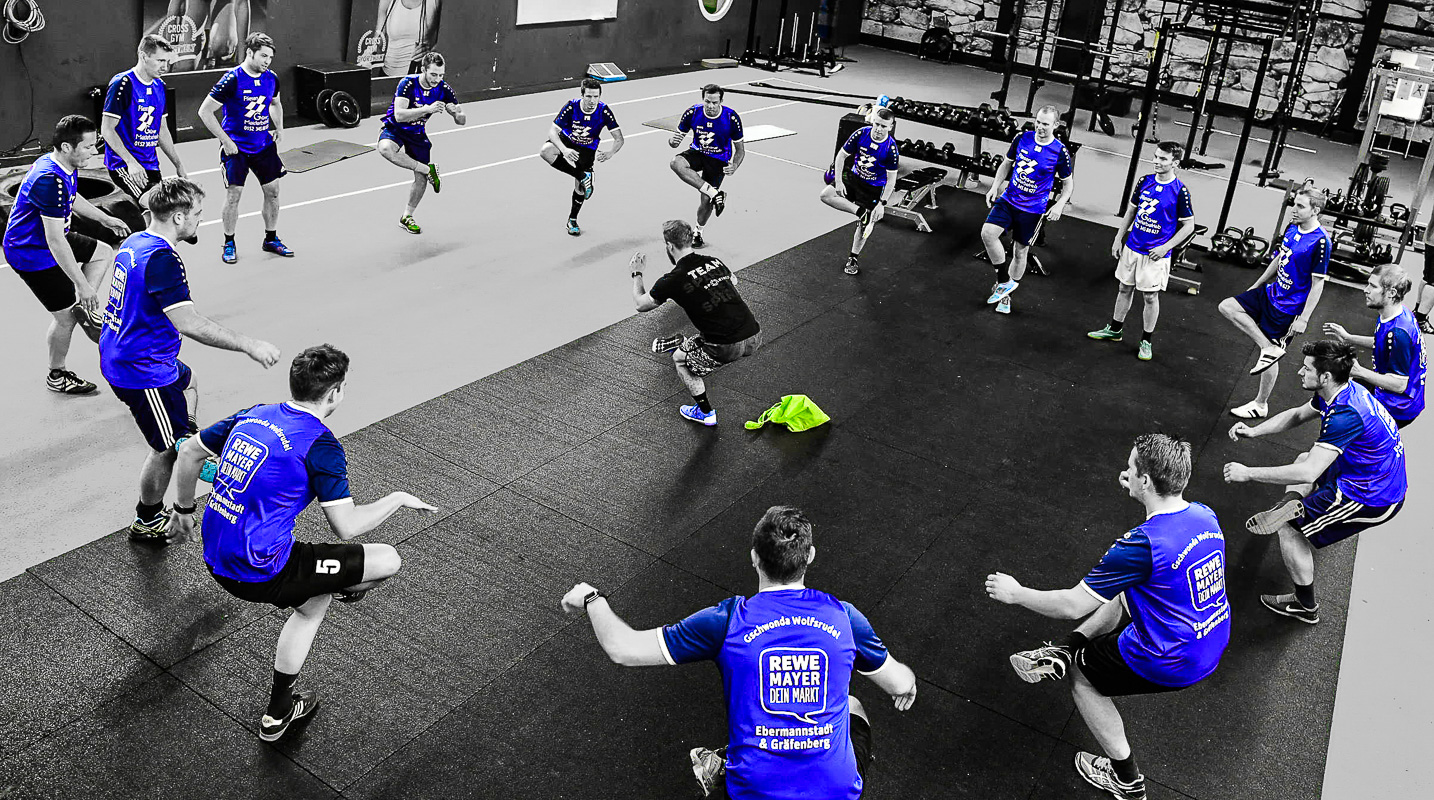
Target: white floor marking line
785	161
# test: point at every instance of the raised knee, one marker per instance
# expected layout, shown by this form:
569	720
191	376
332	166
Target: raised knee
1302	457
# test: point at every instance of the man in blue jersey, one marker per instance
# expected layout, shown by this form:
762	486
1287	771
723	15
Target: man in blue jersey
1032	163
273	461
65	270
134	126
1169	575
863	178
717	151
249	98
1400	361
148	311
403	139
786	655
1160	219
707	290
1351	480
573	139
1278	306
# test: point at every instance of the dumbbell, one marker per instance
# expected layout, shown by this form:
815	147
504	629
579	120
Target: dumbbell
961	118
1384	254
898	105
948	153
932	151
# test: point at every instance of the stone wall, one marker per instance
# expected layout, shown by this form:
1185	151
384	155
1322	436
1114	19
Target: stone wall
1336	41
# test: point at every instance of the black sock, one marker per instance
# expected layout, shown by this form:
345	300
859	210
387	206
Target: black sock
561	165
147	512
270	236
229	238
1421	315
577	205
1145	337
55	373
281	697
702	403
1117	325
854	255
1072	641
1006	272
1125	769
1305	595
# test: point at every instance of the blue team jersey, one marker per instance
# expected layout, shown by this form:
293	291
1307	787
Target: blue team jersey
273	460
411	86
139	346
47	191
1300	257
585	130
1034	170
139	109
786	657
1370	466
712	137
1398	350
1172	571
870	160
1159	208
245	99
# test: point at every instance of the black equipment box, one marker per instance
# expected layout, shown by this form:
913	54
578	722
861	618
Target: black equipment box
310	79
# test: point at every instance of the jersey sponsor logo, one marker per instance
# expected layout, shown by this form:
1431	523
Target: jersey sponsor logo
327	566
243	455
582	133
115	305
146	118
707	140
1206	579
865	165
794	682
254	106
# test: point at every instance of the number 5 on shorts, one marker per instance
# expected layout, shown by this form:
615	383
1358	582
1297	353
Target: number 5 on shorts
328	566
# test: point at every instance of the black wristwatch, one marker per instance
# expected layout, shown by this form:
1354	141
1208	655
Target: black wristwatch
591	596
178	509
637	273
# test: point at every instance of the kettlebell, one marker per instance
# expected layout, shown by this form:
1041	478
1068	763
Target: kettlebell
1253	248
1335	204
1398	212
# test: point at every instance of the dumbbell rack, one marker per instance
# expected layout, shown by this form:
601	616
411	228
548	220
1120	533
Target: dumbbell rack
969	165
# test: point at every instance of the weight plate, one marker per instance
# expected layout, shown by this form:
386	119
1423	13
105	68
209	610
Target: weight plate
345	109
321	107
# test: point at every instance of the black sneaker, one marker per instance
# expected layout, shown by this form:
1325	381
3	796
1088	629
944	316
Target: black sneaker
719	202
1287	605
851	267
66	382
350	597
697	240
91	324
271	729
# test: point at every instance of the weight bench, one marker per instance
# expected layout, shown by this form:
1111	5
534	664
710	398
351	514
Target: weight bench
915	187
1179	261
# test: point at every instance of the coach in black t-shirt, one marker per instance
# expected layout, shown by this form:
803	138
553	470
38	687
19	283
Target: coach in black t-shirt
707	291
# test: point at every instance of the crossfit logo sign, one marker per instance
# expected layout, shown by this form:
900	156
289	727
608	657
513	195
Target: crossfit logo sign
714	10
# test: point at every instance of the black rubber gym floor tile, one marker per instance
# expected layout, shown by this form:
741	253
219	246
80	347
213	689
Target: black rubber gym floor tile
161	600
56	663
939	620
1059	780
379	462
944	746
632	370
657	477
814	270
566	722
159	740
484	435
875	510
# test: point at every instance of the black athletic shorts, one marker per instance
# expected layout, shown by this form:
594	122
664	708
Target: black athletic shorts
266	165
1428	268
312	570
586	155
52	287
132	188
709	167
863	194
861	737
1102	664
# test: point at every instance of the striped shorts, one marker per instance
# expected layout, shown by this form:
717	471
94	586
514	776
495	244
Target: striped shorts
162	413
1331	517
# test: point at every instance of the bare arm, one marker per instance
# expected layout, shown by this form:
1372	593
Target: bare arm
350	520
891	176
109	131
1186	227
1286	420
166	146
206	331
617	142
403	113
209	115
1307	471
1266	276
1387	381
898	681
619	641
998	183
1301	323
640	297
1072	603
276	117
739	154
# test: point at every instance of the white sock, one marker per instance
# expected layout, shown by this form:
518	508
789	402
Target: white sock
709	190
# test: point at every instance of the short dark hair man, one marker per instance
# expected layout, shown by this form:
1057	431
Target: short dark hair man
1032	163
717	151
65	270
786	655
249	96
1400	360
863	178
403	138
1278	306
1351	480
1169	574
134	126
273	461
707	291
573	139
1160	219
147	314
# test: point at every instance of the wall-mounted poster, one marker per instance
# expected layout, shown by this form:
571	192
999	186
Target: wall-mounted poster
537	12
206	34
391	37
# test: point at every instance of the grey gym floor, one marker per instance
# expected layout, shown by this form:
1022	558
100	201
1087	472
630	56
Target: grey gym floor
118	655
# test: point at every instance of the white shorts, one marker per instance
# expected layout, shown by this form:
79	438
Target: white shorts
1146	274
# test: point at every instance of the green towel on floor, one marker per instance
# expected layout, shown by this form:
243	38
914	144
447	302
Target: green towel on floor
797	411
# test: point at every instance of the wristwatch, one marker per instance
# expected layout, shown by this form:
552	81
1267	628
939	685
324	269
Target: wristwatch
187	511
591	596
636	273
